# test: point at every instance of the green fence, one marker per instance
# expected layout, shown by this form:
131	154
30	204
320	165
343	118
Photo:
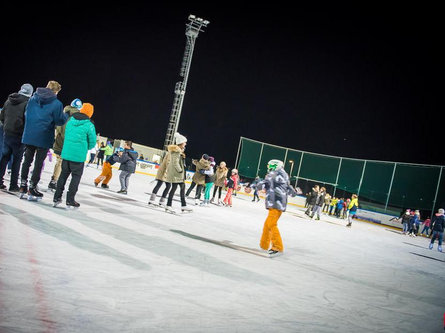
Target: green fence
390	185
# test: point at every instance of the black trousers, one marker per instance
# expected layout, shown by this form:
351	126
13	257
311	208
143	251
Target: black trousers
198	190
219	189
75	169
158	186
40	155
12	148
181	193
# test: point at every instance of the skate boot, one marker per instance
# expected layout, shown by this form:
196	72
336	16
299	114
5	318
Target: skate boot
273	253
104	186
23	191
430	246
219	202
13	188
439	248
212	200
96	184
169	209
197	202
34	194
72	204
57	202
349	224
52	185
152	199
2	186
185	209
122	191
162	203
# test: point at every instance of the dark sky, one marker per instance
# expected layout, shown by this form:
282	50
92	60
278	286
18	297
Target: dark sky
363	83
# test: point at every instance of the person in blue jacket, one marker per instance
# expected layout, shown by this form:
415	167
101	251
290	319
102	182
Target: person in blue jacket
43	113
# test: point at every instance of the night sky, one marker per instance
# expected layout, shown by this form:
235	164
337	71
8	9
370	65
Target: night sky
362	83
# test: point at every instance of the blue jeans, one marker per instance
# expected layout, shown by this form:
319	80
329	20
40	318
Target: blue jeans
437	234
425	230
405	227
12	148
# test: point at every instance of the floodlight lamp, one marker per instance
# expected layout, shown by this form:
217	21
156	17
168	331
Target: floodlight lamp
192	17
206	22
199	19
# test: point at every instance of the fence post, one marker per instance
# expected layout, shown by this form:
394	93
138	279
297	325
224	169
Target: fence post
437	190
336	179
361	178
390	186
237	154
259	160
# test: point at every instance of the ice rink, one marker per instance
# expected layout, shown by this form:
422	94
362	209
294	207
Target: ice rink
115	265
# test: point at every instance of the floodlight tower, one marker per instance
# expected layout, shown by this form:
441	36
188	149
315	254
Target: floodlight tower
193	28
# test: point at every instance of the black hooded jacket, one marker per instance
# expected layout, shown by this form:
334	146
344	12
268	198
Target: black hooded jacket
13	114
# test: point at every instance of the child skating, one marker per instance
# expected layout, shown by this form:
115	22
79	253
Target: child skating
277	188
438	225
232	184
352	209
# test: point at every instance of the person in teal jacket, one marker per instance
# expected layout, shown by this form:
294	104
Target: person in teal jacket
80	136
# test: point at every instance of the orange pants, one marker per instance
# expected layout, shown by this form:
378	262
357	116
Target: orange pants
228	199
106	174
271	238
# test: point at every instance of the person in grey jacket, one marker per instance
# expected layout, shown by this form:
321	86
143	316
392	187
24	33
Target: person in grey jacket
127	158
277	188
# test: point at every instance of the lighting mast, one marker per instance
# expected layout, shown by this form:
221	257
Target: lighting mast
193	28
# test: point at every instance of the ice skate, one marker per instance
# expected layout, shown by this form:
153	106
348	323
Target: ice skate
96	184
57	202
349	224
152	199
169	209
273	253
104	186
162	203
34	194
2	187
52	185
72	204
14	189
23	191
197	202
439	248
122	191
212	200
430	246
185	209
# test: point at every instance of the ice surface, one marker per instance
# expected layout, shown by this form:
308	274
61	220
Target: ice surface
115	265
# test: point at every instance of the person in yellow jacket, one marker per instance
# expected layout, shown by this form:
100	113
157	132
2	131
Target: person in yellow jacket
352	209
277	188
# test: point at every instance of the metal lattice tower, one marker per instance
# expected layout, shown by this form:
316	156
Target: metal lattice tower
193	28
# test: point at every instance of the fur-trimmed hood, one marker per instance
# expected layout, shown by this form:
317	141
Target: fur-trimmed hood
174	148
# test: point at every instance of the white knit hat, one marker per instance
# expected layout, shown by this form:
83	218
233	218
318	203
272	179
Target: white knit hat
179	138
441	210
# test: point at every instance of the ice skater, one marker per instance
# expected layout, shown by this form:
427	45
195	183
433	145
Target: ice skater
107	172
254	184
220	177
232	184
277	188
352	209
127	159
438	224
175	173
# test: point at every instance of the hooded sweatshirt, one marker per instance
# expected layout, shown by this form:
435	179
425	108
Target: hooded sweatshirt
80	136
277	188
43	113
13	114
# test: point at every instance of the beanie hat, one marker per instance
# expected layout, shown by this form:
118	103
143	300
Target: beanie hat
26	90
234	171
76	103
441	211
205	156
87	109
179	138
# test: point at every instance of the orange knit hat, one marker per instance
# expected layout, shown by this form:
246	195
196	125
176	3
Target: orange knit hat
87	109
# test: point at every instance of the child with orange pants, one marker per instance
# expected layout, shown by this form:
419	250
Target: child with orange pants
232	184
277	186
107	173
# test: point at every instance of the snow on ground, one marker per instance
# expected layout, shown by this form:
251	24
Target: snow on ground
115	265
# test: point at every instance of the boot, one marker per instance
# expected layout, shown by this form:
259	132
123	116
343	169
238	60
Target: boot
52	184
161	202
185	209
57	202
197	201
170	210
72	204
34	192
430	246
212	200
439	248
104	186
152	199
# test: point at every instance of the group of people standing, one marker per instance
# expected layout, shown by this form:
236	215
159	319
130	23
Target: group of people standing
318	201
172	174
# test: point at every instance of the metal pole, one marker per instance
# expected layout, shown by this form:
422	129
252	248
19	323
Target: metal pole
338	174
259	160
361	178
285	157
237	154
390	186
437	190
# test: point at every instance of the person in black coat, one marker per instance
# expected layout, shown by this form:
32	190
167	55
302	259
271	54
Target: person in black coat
13	118
127	158
312	199
438	225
